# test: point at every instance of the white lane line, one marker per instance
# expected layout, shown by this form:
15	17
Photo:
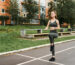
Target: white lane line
58	52
46	56
36	59
40	60
27	62
25	56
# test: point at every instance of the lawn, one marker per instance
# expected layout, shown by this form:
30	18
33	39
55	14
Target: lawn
18	28
9	38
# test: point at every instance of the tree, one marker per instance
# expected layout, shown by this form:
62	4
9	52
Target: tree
66	11
3	19
13	10
31	7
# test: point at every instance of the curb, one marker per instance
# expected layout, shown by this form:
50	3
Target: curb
35	47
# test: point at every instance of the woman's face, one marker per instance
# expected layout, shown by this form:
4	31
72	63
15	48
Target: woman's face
53	14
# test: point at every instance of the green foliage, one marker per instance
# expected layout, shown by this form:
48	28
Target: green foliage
13	9
44	21
3	19
31	7
66	11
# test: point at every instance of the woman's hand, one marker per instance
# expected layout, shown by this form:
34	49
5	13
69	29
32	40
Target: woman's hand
46	28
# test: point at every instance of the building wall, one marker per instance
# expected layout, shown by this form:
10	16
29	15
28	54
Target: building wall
3	5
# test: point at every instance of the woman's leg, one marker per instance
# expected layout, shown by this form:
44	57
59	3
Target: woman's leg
52	48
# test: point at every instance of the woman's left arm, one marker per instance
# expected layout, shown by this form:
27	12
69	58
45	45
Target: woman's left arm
58	25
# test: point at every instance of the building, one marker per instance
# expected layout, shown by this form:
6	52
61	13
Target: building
3	13
22	11
42	10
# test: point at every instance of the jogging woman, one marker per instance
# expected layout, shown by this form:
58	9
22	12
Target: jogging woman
53	23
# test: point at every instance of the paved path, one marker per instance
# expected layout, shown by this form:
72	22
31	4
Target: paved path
65	55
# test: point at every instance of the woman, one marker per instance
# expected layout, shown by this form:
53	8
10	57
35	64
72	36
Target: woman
54	25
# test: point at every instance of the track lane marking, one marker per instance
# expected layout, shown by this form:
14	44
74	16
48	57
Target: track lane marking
58	52
43	56
25	56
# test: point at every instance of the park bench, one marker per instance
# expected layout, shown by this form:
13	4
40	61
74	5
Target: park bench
73	31
39	33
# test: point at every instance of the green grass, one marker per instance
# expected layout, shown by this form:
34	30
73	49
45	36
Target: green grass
18	28
10	42
10	38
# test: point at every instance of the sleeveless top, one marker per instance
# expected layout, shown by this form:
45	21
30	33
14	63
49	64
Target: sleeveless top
53	24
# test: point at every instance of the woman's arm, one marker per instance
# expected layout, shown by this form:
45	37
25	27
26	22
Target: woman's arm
47	25
58	25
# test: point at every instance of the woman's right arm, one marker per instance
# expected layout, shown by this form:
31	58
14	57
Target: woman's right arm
47	25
